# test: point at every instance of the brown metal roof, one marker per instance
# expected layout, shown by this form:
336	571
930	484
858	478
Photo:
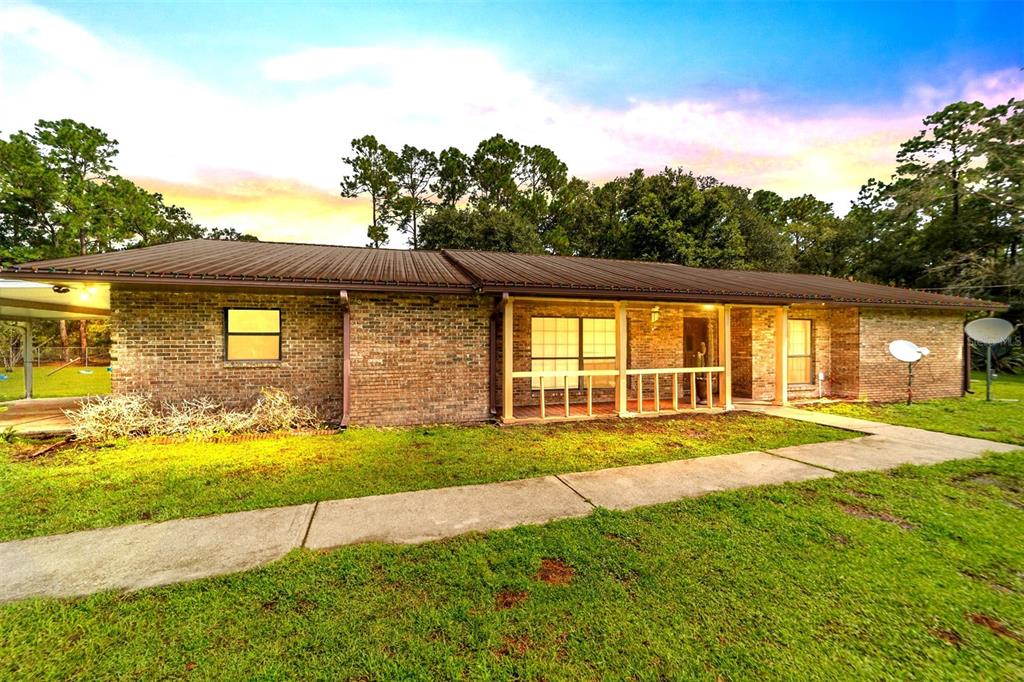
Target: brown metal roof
319	266
264	262
547	274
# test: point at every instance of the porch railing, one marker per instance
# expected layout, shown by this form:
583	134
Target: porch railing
675	372
565	375
706	373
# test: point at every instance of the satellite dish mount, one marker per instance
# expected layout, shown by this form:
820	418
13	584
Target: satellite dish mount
910	353
989	331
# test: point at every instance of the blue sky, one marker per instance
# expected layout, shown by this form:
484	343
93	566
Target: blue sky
814	54
241	111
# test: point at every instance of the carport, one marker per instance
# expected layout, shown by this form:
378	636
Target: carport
25	302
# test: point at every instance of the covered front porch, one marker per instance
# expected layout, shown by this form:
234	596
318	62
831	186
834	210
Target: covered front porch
569	359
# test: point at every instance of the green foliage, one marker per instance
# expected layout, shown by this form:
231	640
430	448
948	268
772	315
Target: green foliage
372	172
950	218
60	196
415	171
1006	357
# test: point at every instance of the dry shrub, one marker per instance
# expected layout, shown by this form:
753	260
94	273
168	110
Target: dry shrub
112	416
275	410
122	416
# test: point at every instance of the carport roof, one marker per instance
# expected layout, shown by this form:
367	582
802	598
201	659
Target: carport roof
316	266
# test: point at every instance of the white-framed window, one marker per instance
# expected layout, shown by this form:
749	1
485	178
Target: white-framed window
801	352
571	343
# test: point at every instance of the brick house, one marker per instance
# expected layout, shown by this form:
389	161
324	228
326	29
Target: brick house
382	337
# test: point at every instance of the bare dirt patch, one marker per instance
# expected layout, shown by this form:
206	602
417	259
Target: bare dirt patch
865	513
951	637
621	539
507	599
995	625
515	645
698	424
555	572
840	539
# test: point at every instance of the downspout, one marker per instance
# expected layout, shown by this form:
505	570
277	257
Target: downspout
492	374
966	387
346	360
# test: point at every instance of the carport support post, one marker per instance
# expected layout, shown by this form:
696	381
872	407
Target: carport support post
782	355
27	352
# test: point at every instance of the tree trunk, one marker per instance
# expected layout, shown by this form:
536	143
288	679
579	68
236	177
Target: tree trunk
82	326
63	326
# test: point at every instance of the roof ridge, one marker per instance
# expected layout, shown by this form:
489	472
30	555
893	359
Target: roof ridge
333	246
464	269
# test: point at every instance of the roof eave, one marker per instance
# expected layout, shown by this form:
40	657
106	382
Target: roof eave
196	281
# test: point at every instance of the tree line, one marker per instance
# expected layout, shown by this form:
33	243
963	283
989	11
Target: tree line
60	195
949	218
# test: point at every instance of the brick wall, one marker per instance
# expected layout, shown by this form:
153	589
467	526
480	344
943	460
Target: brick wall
882	377
419	359
171	345
742	353
844	381
762	334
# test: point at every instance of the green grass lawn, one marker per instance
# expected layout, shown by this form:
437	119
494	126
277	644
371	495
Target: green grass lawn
912	574
68	382
91	487
1001	420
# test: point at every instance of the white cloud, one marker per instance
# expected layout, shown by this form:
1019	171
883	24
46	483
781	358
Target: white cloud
178	130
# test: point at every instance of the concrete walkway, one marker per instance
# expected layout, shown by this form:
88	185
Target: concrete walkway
144	555
38	416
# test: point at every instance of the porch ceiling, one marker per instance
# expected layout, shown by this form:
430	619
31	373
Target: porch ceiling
20	300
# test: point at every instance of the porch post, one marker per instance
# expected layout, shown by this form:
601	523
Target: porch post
725	354
621	349
782	355
506	361
27	352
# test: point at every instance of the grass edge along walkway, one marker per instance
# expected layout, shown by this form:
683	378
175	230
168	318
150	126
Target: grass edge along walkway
96	487
82	563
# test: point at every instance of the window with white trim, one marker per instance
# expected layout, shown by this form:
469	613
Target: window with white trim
571	344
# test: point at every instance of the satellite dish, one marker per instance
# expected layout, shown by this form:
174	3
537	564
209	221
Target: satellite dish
989	330
910	353
906	351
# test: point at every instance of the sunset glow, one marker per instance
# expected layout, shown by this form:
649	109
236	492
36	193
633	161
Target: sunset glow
248	132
